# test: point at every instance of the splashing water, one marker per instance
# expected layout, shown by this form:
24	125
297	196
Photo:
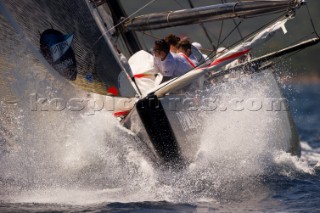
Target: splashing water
84	159
80	158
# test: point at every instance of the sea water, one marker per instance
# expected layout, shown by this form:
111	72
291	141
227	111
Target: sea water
62	161
90	163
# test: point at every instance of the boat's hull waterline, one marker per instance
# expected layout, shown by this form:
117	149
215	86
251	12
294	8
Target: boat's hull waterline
172	126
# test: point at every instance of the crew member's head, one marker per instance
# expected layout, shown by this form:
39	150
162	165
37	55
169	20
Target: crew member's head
184	46
161	49
197	45
220	51
172	40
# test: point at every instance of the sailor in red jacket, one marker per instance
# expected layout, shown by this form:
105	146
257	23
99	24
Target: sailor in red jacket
184	50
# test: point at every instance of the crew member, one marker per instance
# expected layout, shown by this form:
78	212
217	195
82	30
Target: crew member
199	47
169	65
184	50
172	40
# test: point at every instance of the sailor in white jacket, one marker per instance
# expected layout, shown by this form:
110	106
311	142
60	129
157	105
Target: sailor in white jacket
184	50
168	64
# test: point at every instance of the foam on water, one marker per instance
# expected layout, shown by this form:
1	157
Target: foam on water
80	158
90	153
86	159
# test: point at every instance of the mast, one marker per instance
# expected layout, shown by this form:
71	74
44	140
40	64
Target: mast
130	38
245	9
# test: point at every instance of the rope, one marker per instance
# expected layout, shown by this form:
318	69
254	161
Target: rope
150	35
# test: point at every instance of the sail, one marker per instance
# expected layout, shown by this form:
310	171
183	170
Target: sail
240	9
73	39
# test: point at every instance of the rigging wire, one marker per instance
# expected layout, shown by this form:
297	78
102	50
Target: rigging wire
150	35
295	52
285	14
201	24
301	39
144	33
134	13
281	59
213	53
238	24
311	20
314	32
235	22
221	27
125	19
219	38
204	28
231	33
259	29
178	3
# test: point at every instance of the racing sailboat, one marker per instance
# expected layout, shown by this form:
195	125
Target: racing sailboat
86	41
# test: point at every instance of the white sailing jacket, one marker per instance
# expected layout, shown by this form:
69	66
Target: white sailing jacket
173	65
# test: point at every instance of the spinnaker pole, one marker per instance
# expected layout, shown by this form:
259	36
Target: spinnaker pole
240	9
